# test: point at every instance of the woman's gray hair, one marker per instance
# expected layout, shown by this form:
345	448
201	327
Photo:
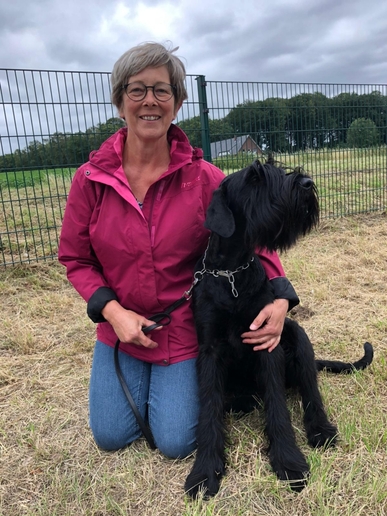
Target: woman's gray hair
136	59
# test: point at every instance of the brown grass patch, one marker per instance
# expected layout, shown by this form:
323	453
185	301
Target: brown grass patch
49	464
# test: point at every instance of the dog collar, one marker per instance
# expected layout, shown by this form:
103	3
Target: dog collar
198	276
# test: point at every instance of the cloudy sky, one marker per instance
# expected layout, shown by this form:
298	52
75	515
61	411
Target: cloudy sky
334	41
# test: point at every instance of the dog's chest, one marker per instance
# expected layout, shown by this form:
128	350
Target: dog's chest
234	291
230	308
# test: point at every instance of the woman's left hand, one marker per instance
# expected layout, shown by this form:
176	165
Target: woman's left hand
266	329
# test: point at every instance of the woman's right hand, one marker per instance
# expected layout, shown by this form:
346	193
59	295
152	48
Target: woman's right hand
128	325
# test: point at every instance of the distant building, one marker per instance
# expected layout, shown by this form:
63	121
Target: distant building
234	146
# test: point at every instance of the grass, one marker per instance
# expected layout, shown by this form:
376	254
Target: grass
26	178
50	466
31	217
350	181
319	162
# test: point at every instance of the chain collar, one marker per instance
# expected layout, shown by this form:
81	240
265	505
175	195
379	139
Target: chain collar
198	276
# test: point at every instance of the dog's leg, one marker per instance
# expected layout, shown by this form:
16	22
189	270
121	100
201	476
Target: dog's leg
209	466
319	430
286	458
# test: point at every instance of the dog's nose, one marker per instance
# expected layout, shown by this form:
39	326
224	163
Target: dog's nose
306	182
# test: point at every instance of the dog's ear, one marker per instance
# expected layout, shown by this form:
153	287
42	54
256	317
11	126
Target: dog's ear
219	217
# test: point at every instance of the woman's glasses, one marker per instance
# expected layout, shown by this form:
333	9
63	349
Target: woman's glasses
137	91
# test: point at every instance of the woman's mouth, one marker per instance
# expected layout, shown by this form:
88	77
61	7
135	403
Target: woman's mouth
150	118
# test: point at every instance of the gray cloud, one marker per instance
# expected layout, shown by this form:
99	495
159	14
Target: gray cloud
273	40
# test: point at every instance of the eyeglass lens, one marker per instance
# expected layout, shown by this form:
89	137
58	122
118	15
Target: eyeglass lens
137	91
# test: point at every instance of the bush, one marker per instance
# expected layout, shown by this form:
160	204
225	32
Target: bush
362	133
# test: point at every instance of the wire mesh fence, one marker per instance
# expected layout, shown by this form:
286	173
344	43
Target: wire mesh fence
51	120
336	132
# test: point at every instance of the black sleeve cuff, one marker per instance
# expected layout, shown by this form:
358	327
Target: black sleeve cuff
283	289
97	302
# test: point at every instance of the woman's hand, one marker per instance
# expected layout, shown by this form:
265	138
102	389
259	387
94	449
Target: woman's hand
266	329
128	325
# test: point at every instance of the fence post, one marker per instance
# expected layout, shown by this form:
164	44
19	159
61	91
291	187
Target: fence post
205	129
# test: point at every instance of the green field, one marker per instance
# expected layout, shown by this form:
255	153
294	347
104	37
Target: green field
349	182
24	178
31	210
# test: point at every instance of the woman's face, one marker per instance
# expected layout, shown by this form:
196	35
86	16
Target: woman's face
149	119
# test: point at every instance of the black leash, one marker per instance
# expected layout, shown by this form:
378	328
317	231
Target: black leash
158	322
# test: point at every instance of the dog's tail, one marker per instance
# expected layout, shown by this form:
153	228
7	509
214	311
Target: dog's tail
333	366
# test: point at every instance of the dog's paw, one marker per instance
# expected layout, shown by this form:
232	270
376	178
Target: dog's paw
292	469
203	483
296	478
322	436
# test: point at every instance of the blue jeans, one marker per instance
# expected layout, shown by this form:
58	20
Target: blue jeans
166	396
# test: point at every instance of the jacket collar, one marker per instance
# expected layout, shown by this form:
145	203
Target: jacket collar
109	156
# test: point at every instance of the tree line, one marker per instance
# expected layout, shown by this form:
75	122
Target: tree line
305	121
61	149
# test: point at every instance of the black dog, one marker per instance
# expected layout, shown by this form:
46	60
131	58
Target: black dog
260	206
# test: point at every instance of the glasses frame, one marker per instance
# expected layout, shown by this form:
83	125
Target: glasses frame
125	88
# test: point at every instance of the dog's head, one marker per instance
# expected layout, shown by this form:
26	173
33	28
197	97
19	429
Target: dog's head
267	206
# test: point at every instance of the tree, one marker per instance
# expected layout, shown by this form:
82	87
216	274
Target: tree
219	129
192	129
362	133
264	120
273	121
311	121
373	106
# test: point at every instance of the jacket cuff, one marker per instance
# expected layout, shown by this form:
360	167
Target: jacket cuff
98	301
283	289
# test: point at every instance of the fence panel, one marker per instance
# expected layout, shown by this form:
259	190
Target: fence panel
51	120
336	132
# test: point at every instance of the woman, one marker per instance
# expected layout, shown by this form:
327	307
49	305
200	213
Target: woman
132	233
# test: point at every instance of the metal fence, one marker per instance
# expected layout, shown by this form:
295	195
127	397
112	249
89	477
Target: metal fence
51	120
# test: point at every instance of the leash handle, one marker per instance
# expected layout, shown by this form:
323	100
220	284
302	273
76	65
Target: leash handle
157	318
144	427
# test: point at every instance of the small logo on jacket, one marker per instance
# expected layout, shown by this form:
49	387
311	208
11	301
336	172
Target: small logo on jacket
188	184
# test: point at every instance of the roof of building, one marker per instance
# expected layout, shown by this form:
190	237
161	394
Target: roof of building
229	147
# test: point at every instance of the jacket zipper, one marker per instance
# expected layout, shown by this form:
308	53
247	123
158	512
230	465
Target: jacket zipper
157	193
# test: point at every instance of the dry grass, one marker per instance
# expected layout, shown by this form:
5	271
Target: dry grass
50	466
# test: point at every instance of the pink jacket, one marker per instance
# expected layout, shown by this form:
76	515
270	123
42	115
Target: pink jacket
144	258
